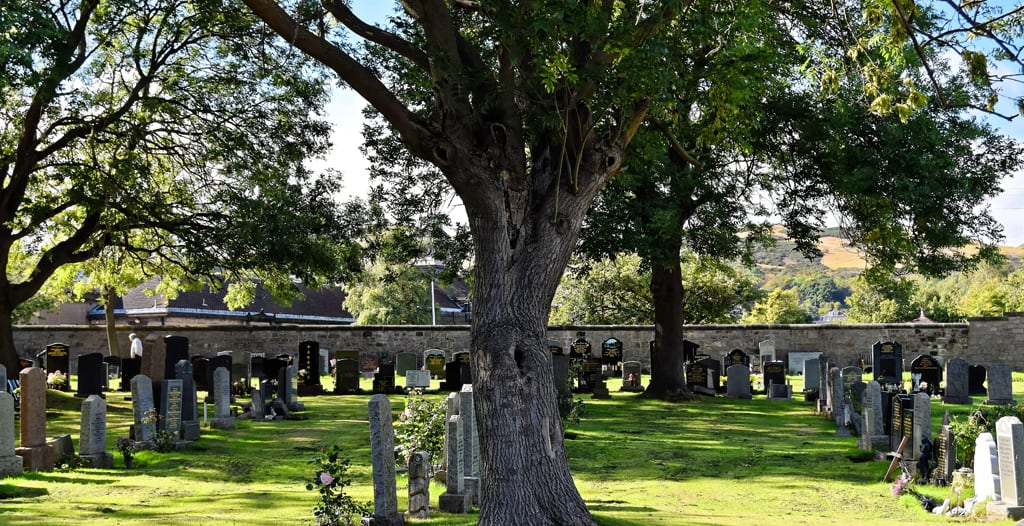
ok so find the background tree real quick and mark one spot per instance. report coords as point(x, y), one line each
point(879, 301)
point(779, 306)
point(165, 130)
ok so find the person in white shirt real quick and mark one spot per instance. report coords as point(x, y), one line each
point(136, 346)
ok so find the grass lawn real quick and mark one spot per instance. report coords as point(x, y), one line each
point(636, 462)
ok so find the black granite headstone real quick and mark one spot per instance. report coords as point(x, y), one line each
point(92, 373)
point(887, 363)
point(930, 370)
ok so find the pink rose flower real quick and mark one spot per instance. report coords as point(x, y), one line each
point(326, 478)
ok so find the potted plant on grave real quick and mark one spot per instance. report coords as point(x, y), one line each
point(56, 380)
point(127, 448)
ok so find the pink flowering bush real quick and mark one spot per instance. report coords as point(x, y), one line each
point(902, 485)
point(335, 508)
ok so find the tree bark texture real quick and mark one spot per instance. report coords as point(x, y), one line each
point(667, 365)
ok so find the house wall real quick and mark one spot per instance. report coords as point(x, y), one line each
point(980, 341)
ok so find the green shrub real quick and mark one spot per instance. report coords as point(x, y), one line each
point(982, 420)
point(421, 427)
point(335, 508)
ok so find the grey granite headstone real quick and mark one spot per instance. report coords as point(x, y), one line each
point(922, 426)
point(455, 499)
point(142, 403)
point(956, 382)
point(34, 450)
point(1000, 385)
point(811, 372)
point(3, 378)
point(986, 468)
point(222, 418)
point(416, 379)
point(92, 438)
point(873, 436)
point(10, 463)
point(471, 451)
point(419, 484)
point(767, 350)
point(382, 450)
point(259, 411)
point(835, 400)
point(405, 361)
point(738, 382)
point(823, 369)
point(1010, 443)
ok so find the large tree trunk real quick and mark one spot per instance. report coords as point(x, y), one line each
point(667, 381)
point(525, 478)
point(8, 353)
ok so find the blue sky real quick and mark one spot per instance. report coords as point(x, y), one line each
point(345, 113)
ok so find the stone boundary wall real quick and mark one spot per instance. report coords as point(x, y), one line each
point(979, 341)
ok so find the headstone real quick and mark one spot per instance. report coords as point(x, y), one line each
point(611, 357)
point(887, 363)
point(956, 383)
point(3, 378)
point(257, 367)
point(222, 418)
point(631, 372)
point(590, 374)
point(798, 361)
point(92, 374)
point(368, 362)
point(735, 357)
point(217, 362)
point(946, 455)
point(560, 371)
point(471, 449)
point(58, 358)
point(113, 370)
point(976, 375)
point(1000, 385)
point(697, 379)
point(454, 499)
point(835, 396)
point(259, 408)
point(405, 361)
point(931, 373)
point(873, 436)
point(921, 422)
point(201, 373)
point(92, 437)
point(130, 368)
point(767, 351)
point(811, 372)
point(738, 381)
point(416, 379)
point(291, 383)
point(419, 484)
point(851, 376)
point(142, 404)
point(382, 450)
point(433, 359)
point(452, 376)
point(555, 348)
point(690, 351)
point(153, 356)
point(34, 451)
point(241, 374)
point(10, 463)
point(580, 348)
point(900, 426)
point(774, 373)
point(384, 380)
point(172, 399)
point(190, 428)
point(714, 368)
point(1009, 442)
point(823, 371)
point(309, 361)
point(175, 350)
point(986, 468)
point(346, 372)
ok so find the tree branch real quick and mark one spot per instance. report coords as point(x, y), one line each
point(412, 129)
point(377, 35)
